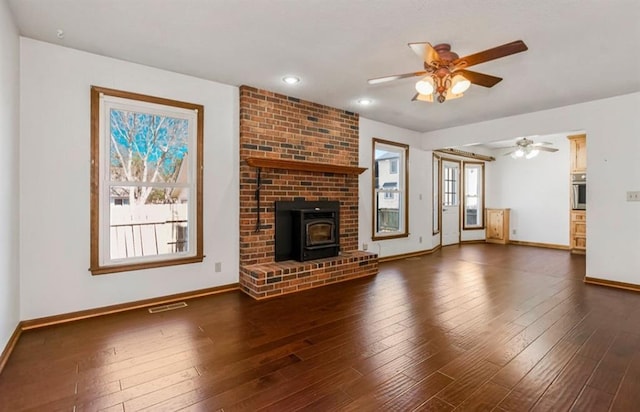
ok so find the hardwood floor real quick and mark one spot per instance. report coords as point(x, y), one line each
point(473, 328)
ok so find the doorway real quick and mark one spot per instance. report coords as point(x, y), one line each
point(450, 185)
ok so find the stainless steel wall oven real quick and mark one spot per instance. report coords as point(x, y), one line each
point(579, 191)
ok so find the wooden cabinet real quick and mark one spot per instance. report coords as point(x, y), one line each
point(497, 223)
point(578, 220)
point(578, 150)
point(578, 231)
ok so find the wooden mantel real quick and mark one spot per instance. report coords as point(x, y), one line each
point(263, 162)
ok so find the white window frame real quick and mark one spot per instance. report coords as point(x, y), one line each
point(479, 199)
point(102, 101)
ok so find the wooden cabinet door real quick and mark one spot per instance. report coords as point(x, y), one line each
point(495, 224)
point(579, 228)
point(580, 243)
point(578, 231)
point(578, 153)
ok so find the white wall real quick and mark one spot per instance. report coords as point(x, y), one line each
point(419, 190)
point(612, 127)
point(9, 178)
point(536, 191)
point(54, 180)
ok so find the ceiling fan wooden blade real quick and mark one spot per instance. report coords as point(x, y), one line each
point(481, 79)
point(384, 79)
point(492, 54)
point(426, 52)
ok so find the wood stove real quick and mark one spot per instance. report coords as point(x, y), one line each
point(315, 234)
point(307, 230)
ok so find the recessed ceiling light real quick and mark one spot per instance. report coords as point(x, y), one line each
point(365, 102)
point(291, 79)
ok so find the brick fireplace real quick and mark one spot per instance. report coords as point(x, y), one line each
point(305, 152)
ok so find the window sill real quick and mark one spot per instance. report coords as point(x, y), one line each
point(398, 236)
point(103, 270)
point(474, 228)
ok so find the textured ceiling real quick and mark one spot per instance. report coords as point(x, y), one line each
point(579, 50)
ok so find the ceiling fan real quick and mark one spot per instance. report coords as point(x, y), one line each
point(446, 73)
point(527, 149)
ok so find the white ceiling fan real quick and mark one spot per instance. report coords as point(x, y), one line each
point(527, 149)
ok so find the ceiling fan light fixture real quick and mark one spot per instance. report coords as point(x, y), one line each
point(424, 97)
point(526, 149)
point(459, 84)
point(519, 153)
point(532, 153)
point(451, 95)
point(425, 86)
point(445, 87)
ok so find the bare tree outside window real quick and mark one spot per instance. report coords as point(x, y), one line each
point(146, 181)
point(147, 148)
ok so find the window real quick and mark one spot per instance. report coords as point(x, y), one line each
point(146, 181)
point(390, 179)
point(450, 186)
point(390, 190)
point(119, 201)
point(394, 166)
point(473, 195)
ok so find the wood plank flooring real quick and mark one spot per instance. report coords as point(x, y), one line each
point(477, 327)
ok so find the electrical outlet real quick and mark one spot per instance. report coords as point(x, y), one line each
point(365, 246)
point(514, 231)
point(420, 239)
point(218, 267)
point(633, 196)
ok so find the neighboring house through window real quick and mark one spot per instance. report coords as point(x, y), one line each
point(389, 189)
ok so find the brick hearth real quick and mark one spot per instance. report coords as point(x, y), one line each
point(279, 127)
point(271, 279)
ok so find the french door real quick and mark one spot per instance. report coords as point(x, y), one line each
point(450, 186)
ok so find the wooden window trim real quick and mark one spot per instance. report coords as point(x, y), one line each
point(437, 177)
point(95, 267)
point(374, 210)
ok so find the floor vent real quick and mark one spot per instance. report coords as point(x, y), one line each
point(170, 306)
